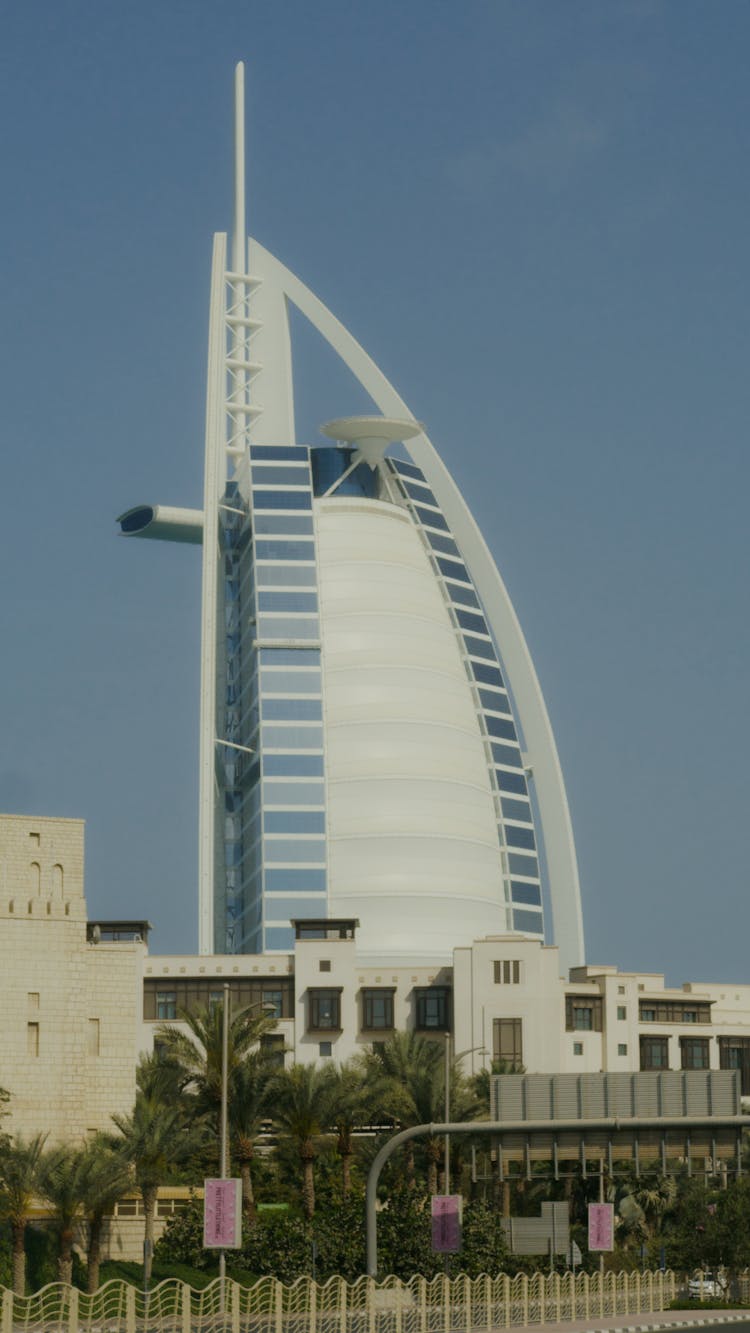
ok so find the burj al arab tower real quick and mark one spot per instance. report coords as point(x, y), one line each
point(374, 744)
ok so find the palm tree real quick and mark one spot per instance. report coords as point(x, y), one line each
point(300, 1099)
point(248, 1107)
point(412, 1069)
point(19, 1167)
point(196, 1056)
point(59, 1183)
point(104, 1179)
point(352, 1096)
point(155, 1138)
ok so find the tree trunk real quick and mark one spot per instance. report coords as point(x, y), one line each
point(65, 1257)
point(410, 1172)
point(19, 1258)
point(248, 1193)
point(93, 1255)
point(308, 1180)
point(346, 1173)
point(148, 1194)
point(433, 1152)
point(506, 1196)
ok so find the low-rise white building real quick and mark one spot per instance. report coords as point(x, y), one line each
point(82, 999)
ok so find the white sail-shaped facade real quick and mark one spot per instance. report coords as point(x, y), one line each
point(374, 742)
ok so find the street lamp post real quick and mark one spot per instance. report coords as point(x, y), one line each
point(223, 1169)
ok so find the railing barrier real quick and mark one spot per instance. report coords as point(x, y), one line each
point(421, 1305)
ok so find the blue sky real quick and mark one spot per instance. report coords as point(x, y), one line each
point(534, 215)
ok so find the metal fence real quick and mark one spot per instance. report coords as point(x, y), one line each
point(442, 1305)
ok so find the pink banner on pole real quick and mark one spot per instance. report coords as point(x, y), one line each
point(222, 1214)
point(446, 1223)
point(601, 1226)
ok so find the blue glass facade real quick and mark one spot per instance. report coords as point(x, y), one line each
point(275, 849)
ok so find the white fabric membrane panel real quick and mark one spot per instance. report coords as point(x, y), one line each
point(411, 821)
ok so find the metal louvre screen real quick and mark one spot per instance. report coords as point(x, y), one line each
point(714, 1092)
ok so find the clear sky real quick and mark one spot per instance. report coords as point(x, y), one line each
point(534, 215)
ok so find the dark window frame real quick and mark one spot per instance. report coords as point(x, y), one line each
point(649, 1047)
point(319, 999)
point(433, 1008)
point(674, 1011)
point(578, 1005)
point(372, 996)
point(692, 1047)
point(507, 1041)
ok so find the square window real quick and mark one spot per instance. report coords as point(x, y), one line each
point(324, 1010)
point(377, 1010)
point(578, 1048)
point(433, 1008)
point(325, 1048)
point(325, 965)
point(166, 1004)
point(621, 1011)
point(620, 990)
point(622, 1048)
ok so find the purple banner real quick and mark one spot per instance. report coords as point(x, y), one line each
point(601, 1226)
point(446, 1223)
point(222, 1214)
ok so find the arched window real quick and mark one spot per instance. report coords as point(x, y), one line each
point(36, 877)
point(57, 881)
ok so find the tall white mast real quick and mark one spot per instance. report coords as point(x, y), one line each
point(239, 237)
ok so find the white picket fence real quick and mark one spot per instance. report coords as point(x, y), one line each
point(441, 1305)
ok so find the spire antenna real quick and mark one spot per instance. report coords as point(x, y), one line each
point(239, 238)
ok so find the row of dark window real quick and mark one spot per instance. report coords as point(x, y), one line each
point(674, 1011)
point(734, 1053)
point(432, 1009)
point(166, 1001)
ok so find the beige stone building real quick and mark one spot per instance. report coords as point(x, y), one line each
point(71, 1007)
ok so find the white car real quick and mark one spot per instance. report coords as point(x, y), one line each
point(707, 1286)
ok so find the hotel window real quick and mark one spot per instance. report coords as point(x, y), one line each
point(507, 1041)
point(166, 1004)
point(507, 971)
point(622, 1048)
point(324, 1010)
point(583, 1013)
point(654, 1052)
point(272, 1001)
point(734, 1053)
point(621, 1012)
point(673, 1011)
point(377, 1009)
point(694, 1053)
point(32, 1039)
point(578, 1048)
point(433, 1008)
point(272, 1046)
